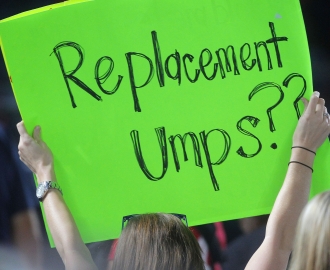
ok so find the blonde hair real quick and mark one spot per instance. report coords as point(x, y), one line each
point(312, 243)
point(157, 242)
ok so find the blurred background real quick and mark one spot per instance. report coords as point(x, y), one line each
point(21, 228)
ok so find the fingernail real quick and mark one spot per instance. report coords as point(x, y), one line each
point(316, 93)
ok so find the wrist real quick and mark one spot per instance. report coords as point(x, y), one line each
point(303, 155)
point(45, 187)
point(46, 173)
point(305, 144)
point(304, 148)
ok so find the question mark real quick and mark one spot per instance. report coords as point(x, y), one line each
point(301, 94)
point(263, 86)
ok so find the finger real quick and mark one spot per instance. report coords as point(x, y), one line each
point(36, 133)
point(305, 101)
point(21, 144)
point(326, 115)
point(21, 129)
point(320, 108)
point(312, 103)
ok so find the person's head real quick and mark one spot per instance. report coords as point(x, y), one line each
point(312, 244)
point(157, 242)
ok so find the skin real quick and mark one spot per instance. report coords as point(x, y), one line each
point(312, 129)
point(37, 156)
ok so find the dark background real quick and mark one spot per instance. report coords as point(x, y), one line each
point(317, 20)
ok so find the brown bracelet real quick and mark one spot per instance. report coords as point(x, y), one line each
point(301, 164)
point(304, 149)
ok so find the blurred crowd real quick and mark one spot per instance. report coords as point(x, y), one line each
point(23, 239)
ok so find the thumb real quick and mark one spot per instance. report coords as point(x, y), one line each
point(36, 133)
point(21, 129)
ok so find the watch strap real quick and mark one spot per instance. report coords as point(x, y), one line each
point(54, 185)
point(45, 186)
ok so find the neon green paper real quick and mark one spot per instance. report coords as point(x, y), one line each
point(92, 144)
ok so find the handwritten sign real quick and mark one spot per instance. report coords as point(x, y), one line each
point(163, 106)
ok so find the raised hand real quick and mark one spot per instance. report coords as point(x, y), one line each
point(35, 153)
point(313, 126)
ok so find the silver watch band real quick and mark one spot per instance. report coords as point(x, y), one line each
point(45, 186)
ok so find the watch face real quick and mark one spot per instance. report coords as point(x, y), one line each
point(41, 190)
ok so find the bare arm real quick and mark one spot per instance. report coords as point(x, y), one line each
point(37, 156)
point(312, 129)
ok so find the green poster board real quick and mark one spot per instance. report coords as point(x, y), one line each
point(124, 89)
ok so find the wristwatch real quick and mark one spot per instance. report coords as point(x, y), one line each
point(43, 188)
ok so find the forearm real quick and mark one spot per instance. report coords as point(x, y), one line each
point(62, 226)
point(311, 131)
point(61, 223)
point(38, 157)
point(276, 248)
point(291, 200)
